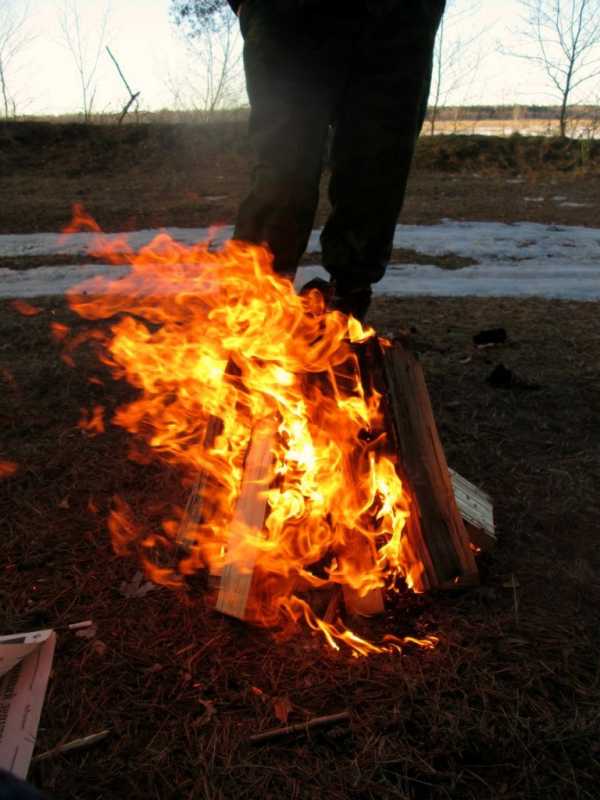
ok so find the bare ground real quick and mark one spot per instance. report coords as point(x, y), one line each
point(142, 176)
point(506, 706)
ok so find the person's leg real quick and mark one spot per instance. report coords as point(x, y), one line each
point(376, 128)
point(291, 72)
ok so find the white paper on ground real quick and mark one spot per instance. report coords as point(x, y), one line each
point(25, 663)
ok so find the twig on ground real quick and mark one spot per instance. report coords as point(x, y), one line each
point(76, 744)
point(299, 727)
point(77, 626)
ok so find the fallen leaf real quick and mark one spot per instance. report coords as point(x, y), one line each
point(282, 708)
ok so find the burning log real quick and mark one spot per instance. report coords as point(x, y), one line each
point(247, 522)
point(372, 603)
point(361, 553)
point(341, 487)
point(435, 531)
point(437, 539)
point(193, 511)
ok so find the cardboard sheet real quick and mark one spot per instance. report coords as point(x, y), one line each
point(25, 664)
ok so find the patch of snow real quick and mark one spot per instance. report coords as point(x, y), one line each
point(576, 205)
point(534, 199)
point(559, 281)
point(52, 280)
point(80, 244)
point(497, 247)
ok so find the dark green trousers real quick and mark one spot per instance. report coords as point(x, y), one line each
point(363, 67)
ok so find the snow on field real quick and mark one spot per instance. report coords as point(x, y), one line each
point(514, 260)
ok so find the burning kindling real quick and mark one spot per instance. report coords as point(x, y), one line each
point(306, 443)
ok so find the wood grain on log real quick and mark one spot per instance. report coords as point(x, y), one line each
point(435, 531)
point(248, 519)
point(477, 510)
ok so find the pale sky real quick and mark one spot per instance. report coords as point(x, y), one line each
point(43, 78)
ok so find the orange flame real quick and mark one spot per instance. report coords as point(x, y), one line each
point(92, 422)
point(59, 331)
point(224, 352)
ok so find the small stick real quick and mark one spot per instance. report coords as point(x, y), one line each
point(79, 626)
point(514, 584)
point(300, 727)
point(76, 744)
point(75, 626)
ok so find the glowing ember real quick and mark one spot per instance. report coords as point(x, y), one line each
point(221, 347)
point(8, 469)
point(92, 423)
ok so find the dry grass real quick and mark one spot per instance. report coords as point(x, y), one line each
point(505, 707)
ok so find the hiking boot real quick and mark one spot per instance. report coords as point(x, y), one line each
point(333, 296)
point(352, 301)
point(318, 294)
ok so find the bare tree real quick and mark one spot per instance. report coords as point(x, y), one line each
point(214, 75)
point(133, 96)
point(85, 41)
point(456, 57)
point(14, 38)
point(198, 16)
point(566, 38)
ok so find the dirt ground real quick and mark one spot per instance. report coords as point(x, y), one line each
point(505, 707)
point(189, 175)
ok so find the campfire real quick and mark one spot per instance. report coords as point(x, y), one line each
point(305, 442)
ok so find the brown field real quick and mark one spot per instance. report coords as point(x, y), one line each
point(507, 706)
point(191, 175)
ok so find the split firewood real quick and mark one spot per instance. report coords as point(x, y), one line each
point(300, 727)
point(193, 511)
point(361, 554)
point(357, 549)
point(251, 507)
point(435, 531)
point(197, 505)
point(477, 510)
